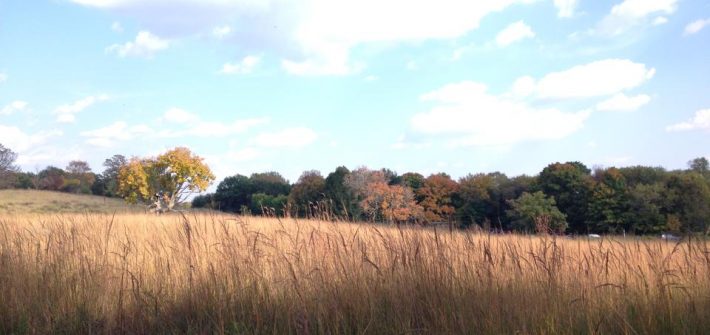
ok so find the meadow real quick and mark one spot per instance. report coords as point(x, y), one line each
point(211, 273)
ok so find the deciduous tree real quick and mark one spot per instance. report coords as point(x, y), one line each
point(166, 180)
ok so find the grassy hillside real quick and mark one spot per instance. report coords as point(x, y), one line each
point(32, 201)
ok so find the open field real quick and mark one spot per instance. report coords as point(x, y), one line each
point(204, 273)
point(33, 201)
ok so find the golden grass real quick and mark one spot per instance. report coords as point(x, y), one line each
point(211, 273)
point(34, 201)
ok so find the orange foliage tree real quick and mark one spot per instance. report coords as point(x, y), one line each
point(436, 197)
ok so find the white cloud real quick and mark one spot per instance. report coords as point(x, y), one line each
point(696, 26)
point(523, 86)
point(66, 113)
point(15, 106)
point(245, 66)
point(117, 27)
point(178, 115)
point(221, 31)
point(213, 129)
point(145, 45)
point(600, 78)
point(660, 20)
point(115, 132)
point(701, 120)
point(514, 32)
point(565, 7)
point(20, 142)
point(313, 37)
point(287, 138)
point(631, 13)
point(623, 103)
point(465, 112)
point(3, 77)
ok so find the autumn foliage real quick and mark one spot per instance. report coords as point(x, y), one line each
point(176, 173)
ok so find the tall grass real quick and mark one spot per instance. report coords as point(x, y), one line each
point(209, 274)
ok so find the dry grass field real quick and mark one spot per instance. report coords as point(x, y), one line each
point(217, 274)
point(33, 201)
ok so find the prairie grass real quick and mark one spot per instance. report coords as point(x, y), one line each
point(47, 202)
point(217, 274)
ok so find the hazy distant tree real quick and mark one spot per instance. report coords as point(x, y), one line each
point(109, 177)
point(700, 165)
point(51, 179)
point(8, 169)
point(307, 192)
point(636, 175)
point(536, 212)
point(436, 196)
point(570, 184)
point(79, 177)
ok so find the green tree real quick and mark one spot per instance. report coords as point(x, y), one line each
point(234, 193)
point(109, 177)
point(688, 197)
point(339, 194)
point(536, 212)
point(608, 207)
point(570, 184)
point(51, 179)
point(271, 183)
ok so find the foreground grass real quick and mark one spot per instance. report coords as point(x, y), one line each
point(47, 202)
point(218, 274)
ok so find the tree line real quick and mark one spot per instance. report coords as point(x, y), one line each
point(563, 198)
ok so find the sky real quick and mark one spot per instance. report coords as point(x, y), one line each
point(425, 86)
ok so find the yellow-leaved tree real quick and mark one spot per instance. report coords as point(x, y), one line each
point(164, 181)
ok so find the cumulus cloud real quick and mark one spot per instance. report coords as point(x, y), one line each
point(288, 138)
point(213, 128)
point(145, 45)
point(565, 8)
point(313, 37)
point(19, 141)
point(118, 131)
point(696, 26)
point(630, 13)
point(660, 20)
point(66, 113)
point(622, 103)
point(245, 66)
point(514, 32)
point(700, 121)
point(599, 78)
point(15, 106)
point(465, 112)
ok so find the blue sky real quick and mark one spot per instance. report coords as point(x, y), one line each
point(427, 86)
